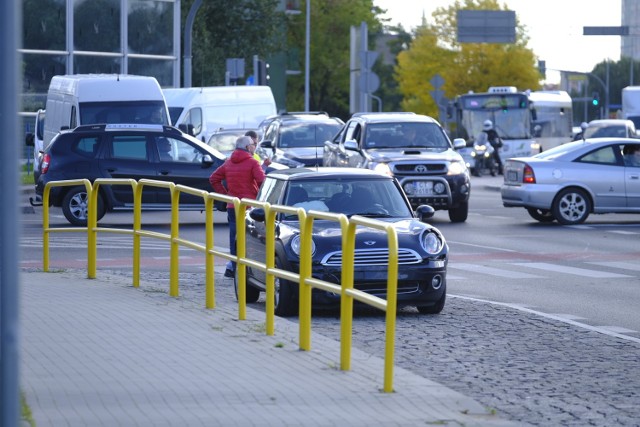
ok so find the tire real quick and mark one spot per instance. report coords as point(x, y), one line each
point(571, 206)
point(251, 294)
point(542, 215)
point(285, 304)
point(433, 309)
point(460, 213)
point(74, 207)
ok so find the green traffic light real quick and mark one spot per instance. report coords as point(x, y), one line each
point(595, 102)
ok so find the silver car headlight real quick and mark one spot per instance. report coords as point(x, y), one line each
point(431, 242)
point(296, 243)
point(383, 168)
point(456, 168)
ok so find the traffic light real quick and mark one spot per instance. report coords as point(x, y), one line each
point(595, 99)
point(542, 68)
point(263, 73)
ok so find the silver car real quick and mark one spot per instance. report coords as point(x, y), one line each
point(571, 181)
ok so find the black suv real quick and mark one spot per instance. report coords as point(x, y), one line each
point(296, 139)
point(125, 151)
point(413, 148)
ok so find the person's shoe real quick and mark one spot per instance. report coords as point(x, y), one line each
point(228, 273)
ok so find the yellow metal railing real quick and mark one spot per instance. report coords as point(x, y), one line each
point(304, 277)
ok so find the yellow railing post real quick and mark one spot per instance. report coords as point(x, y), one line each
point(392, 305)
point(270, 262)
point(346, 301)
point(45, 227)
point(304, 290)
point(241, 252)
point(209, 294)
point(137, 227)
point(175, 247)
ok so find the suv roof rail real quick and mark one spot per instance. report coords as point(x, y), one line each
point(373, 113)
point(125, 126)
point(298, 113)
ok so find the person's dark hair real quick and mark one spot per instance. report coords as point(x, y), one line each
point(251, 134)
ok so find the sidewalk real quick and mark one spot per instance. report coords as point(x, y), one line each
point(102, 353)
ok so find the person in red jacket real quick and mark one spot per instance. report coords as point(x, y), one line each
point(244, 176)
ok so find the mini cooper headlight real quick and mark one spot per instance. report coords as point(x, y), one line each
point(431, 242)
point(296, 243)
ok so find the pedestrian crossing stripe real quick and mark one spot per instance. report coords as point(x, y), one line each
point(570, 270)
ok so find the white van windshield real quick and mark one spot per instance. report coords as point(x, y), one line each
point(151, 112)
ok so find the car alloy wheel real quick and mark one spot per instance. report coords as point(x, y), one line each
point(571, 206)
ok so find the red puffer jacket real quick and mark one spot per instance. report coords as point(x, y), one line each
point(243, 176)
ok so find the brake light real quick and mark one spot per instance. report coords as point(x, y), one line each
point(528, 177)
point(44, 166)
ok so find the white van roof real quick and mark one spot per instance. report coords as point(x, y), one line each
point(219, 95)
point(107, 87)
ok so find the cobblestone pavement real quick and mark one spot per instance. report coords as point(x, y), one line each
point(528, 368)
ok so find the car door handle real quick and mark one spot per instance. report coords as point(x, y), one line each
point(111, 170)
point(634, 176)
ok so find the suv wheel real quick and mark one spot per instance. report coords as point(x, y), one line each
point(75, 206)
point(460, 213)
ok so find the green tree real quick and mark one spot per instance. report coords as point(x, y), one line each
point(331, 21)
point(231, 29)
point(464, 66)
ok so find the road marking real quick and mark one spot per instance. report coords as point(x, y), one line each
point(623, 232)
point(583, 272)
point(618, 264)
point(598, 329)
point(475, 268)
point(618, 329)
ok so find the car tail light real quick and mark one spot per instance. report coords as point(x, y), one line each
point(528, 177)
point(44, 166)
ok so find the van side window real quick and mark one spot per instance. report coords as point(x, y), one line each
point(194, 117)
point(87, 146)
point(132, 147)
point(73, 123)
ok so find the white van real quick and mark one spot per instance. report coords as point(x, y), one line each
point(208, 109)
point(84, 99)
point(35, 139)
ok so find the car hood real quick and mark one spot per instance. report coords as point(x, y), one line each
point(385, 155)
point(329, 229)
point(302, 154)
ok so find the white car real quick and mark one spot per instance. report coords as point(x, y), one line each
point(571, 181)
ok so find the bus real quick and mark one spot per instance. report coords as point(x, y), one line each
point(507, 108)
point(553, 121)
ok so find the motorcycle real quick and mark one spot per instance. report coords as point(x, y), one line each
point(483, 160)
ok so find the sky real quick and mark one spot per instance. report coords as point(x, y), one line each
point(554, 27)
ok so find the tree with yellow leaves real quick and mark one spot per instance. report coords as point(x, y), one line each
point(464, 66)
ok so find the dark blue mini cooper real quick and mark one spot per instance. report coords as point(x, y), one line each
point(423, 251)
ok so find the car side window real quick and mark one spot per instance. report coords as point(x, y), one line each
point(270, 191)
point(603, 156)
point(186, 153)
point(131, 147)
point(86, 146)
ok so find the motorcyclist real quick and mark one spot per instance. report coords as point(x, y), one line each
point(490, 135)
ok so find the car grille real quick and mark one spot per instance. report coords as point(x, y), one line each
point(418, 168)
point(373, 257)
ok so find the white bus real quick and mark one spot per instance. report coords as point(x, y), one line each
point(507, 108)
point(553, 119)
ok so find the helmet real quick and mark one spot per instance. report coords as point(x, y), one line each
point(487, 125)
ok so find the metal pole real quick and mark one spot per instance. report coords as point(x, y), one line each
point(188, 29)
point(307, 60)
point(9, 301)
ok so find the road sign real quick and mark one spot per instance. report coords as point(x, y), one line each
point(437, 95)
point(605, 31)
point(437, 81)
point(235, 67)
point(368, 58)
point(369, 82)
point(486, 26)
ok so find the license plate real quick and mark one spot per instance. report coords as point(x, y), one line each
point(512, 176)
point(423, 188)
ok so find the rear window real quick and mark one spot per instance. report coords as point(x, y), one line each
point(86, 146)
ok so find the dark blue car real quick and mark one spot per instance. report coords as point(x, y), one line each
point(423, 251)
